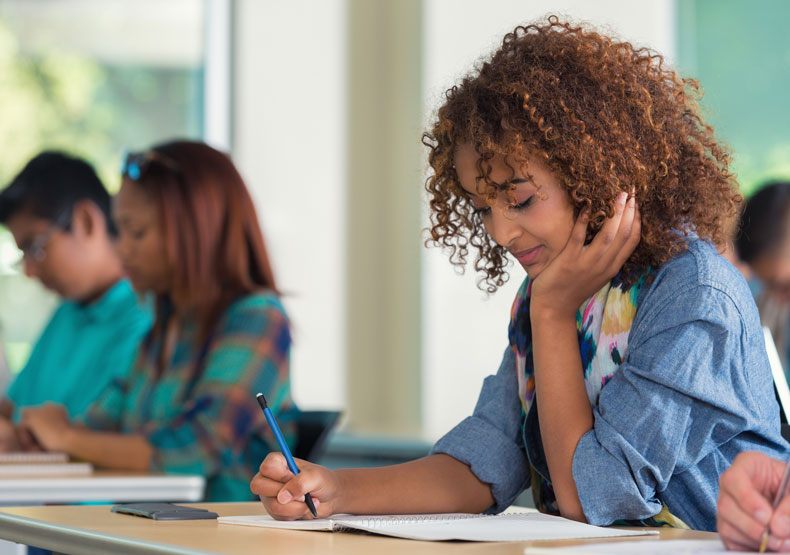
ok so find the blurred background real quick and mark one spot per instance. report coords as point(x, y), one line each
point(321, 104)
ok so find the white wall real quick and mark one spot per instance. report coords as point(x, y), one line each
point(289, 140)
point(290, 137)
point(465, 333)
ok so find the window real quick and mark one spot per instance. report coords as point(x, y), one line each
point(739, 52)
point(91, 77)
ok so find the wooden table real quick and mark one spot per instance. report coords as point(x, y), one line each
point(94, 529)
point(101, 485)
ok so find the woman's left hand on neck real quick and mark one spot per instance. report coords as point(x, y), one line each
point(579, 271)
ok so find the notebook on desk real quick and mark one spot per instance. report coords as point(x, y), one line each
point(457, 526)
point(32, 463)
point(33, 457)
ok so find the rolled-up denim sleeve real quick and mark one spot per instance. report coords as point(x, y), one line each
point(490, 441)
point(682, 391)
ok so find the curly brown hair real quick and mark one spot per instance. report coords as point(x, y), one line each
point(605, 117)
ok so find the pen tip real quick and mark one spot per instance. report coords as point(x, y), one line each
point(259, 395)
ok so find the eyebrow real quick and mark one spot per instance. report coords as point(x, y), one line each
point(501, 186)
point(517, 181)
point(125, 218)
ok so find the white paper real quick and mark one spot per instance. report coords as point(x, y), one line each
point(46, 469)
point(649, 547)
point(33, 457)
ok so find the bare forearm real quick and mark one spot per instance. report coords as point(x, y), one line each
point(434, 484)
point(563, 407)
point(108, 449)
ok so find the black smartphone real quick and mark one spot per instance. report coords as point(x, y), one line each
point(163, 511)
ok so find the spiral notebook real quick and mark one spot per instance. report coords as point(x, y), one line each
point(505, 527)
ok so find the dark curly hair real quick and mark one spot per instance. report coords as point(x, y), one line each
point(605, 117)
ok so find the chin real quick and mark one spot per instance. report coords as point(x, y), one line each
point(138, 286)
point(61, 292)
point(533, 272)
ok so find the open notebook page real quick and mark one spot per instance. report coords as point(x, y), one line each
point(460, 526)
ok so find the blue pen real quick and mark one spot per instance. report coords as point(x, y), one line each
point(267, 412)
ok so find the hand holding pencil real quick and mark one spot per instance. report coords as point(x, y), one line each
point(753, 510)
point(286, 452)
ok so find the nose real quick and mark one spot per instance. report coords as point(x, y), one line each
point(30, 267)
point(122, 248)
point(503, 228)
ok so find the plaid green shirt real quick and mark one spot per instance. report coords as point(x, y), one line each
point(211, 426)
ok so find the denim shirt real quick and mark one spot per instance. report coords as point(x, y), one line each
point(694, 390)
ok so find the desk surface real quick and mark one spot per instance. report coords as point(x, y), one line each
point(101, 485)
point(94, 529)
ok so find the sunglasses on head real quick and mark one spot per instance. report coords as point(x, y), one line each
point(135, 164)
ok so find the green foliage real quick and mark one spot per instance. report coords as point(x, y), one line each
point(51, 101)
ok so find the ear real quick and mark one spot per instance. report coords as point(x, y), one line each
point(87, 219)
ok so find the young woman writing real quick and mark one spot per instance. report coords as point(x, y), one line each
point(635, 369)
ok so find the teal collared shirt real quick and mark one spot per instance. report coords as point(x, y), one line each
point(82, 349)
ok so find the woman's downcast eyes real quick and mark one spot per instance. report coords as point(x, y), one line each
point(483, 211)
point(134, 233)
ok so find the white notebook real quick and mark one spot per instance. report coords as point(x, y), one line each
point(35, 463)
point(33, 457)
point(507, 527)
point(47, 469)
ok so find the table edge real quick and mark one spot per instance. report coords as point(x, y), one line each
point(68, 539)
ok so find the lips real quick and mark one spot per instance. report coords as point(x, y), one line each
point(528, 256)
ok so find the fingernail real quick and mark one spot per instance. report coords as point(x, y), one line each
point(285, 497)
point(784, 547)
point(784, 524)
point(774, 544)
point(622, 197)
point(762, 517)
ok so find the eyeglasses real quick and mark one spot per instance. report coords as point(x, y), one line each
point(37, 249)
point(135, 164)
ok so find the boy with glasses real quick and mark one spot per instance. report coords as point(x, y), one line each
point(59, 214)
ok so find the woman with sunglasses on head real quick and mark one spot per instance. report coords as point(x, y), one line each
point(189, 235)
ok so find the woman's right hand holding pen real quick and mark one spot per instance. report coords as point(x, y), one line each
point(282, 492)
point(434, 484)
point(745, 506)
